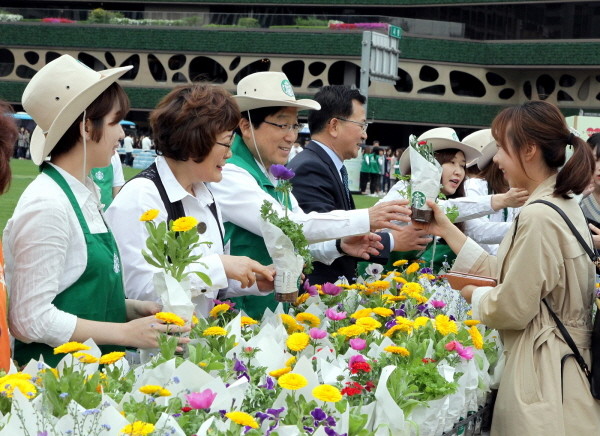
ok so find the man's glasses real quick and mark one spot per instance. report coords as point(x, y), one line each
point(289, 127)
point(363, 126)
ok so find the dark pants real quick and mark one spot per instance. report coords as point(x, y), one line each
point(128, 159)
point(22, 152)
point(364, 179)
point(374, 182)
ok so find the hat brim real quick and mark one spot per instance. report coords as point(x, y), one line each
point(41, 145)
point(487, 154)
point(248, 103)
point(439, 144)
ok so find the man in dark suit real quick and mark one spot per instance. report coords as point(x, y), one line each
point(321, 181)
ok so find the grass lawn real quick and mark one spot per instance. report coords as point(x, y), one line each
point(24, 171)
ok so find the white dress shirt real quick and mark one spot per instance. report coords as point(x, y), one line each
point(240, 198)
point(128, 144)
point(140, 195)
point(45, 253)
point(488, 231)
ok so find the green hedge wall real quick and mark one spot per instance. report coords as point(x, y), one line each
point(340, 2)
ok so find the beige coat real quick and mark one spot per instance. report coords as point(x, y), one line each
point(544, 261)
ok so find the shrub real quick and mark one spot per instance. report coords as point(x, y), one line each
point(310, 21)
point(99, 15)
point(248, 22)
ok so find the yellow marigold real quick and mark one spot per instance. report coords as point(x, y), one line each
point(292, 381)
point(421, 321)
point(279, 372)
point(297, 341)
point(327, 393)
point(215, 311)
point(368, 323)
point(406, 325)
point(170, 318)
point(351, 330)
point(445, 325)
point(400, 262)
point(149, 215)
point(393, 329)
point(397, 350)
point(421, 299)
point(195, 320)
point(246, 320)
point(159, 391)
point(476, 337)
point(379, 284)
point(471, 322)
point(112, 357)
point(412, 268)
point(383, 311)
point(214, 331)
point(360, 287)
point(85, 357)
point(184, 224)
point(242, 418)
point(389, 299)
point(290, 362)
point(70, 347)
point(412, 288)
point(308, 318)
point(362, 313)
point(138, 428)
point(302, 299)
point(400, 280)
point(20, 381)
point(287, 319)
point(427, 276)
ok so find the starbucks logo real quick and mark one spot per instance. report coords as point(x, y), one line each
point(116, 263)
point(99, 175)
point(418, 199)
point(286, 86)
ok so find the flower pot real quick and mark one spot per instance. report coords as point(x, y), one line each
point(286, 286)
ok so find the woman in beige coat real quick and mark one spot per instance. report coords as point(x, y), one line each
point(538, 258)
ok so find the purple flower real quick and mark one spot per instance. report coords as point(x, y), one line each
point(281, 172)
point(331, 421)
point(308, 429)
point(358, 343)
point(201, 400)
point(391, 323)
point(333, 315)
point(426, 271)
point(275, 412)
point(318, 414)
point(227, 302)
point(312, 290)
point(316, 333)
point(399, 312)
point(355, 359)
point(239, 366)
point(42, 433)
point(437, 304)
point(331, 289)
point(269, 384)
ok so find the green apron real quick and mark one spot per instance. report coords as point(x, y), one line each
point(245, 243)
point(97, 295)
point(103, 178)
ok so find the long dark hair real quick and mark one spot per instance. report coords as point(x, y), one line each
point(8, 136)
point(445, 156)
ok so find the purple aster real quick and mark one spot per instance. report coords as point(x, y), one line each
point(318, 414)
point(331, 289)
point(281, 172)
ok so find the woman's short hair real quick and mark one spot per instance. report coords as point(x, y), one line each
point(95, 112)
point(186, 122)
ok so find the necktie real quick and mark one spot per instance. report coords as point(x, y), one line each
point(344, 174)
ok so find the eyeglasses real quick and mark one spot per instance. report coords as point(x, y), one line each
point(363, 126)
point(226, 145)
point(289, 127)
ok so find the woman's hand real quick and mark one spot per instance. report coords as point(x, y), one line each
point(467, 292)
point(515, 197)
point(266, 284)
point(140, 308)
point(439, 224)
point(244, 269)
point(144, 332)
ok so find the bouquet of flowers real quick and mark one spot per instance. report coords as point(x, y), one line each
point(426, 173)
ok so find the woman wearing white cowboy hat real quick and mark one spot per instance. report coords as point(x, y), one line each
point(268, 128)
point(62, 263)
point(193, 129)
point(488, 230)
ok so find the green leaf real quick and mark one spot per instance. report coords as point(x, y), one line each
point(204, 277)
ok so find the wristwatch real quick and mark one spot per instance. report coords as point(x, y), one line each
point(338, 246)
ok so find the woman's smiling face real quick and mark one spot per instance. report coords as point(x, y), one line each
point(453, 173)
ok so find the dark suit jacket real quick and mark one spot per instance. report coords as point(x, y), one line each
point(318, 188)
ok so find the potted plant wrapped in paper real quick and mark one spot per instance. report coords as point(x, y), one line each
point(285, 240)
point(426, 173)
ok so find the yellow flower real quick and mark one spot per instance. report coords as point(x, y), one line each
point(383, 311)
point(203, 364)
point(246, 320)
point(421, 321)
point(70, 347)
point(351, 330)
point(379, 284)
point(214, 331)
point(138, 428)
point(469, 313)
point(389, 299)
point(362, 313)
point(85, 357)
point(413, 267)
point(184, 224)
point(445, 325)
point(242, 418)
point(170, 318)
point(393, 329)
point(421, 299)
point(302, 299)
point(368, 323)
point(287, 320)
point(412, 288)
point(400, 280)
point(476, 337)
point(20, 381)
point(297, 341)
point(215, 311)
point(308, 318)
point(292, 381)
point(406, 325)
point(427, 276)
point(279, 372)
point(109, 358)
point(195, 320)
point(327, 393)
point(471, 322)
point(397, 350)
point(149, 215)
point(159, 391)
point(400, 262)
point(290, 362)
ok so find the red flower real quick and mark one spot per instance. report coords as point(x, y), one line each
point(422, 142)
point(427, 360)
point(369, 386)
point(186, 409)
point(353, 388)
point(360, 366)
point(248, 349)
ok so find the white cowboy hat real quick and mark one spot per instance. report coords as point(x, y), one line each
point(57, 95)
point(268, 89)
point(483, 141)
point(441, 138)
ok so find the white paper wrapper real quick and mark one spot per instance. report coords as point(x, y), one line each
point(425, 180)
point(288, 264)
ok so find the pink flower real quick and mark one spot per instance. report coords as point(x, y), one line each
point(464, 352)
point(201, 400)
point(437, 304)
point(331, 289)
point(312, 290)
point(335, 316)
point(316, 333)
point(355, 359)
point(358, 344)
point(452, 345)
